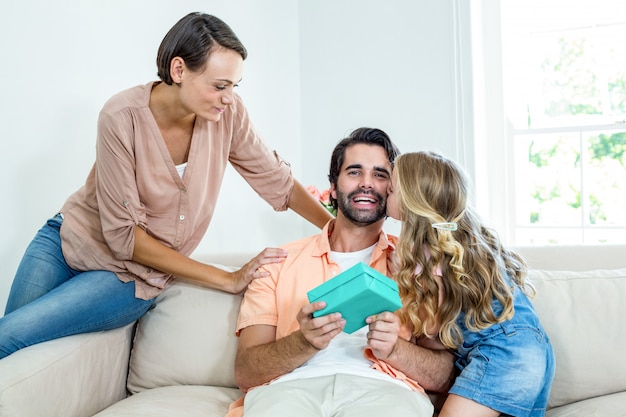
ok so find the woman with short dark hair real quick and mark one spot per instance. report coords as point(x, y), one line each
point(161, 153)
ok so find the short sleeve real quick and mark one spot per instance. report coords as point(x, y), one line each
point(259, 303)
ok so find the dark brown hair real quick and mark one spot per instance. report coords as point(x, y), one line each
point(367, 136)
point(192, 38)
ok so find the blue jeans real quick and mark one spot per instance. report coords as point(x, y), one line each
point(49, 300)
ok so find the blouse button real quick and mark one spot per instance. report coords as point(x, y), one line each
point(181, 217)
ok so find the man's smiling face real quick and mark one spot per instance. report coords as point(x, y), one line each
point(364, 178)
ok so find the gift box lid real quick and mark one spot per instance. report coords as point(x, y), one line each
point(357, 293)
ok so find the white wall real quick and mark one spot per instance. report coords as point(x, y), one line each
point(381, 64)
point(316, 70)
point(395, 65)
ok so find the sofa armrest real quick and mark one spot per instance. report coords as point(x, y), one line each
point(72, 376)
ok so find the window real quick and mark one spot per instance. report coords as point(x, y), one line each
point(564, 106)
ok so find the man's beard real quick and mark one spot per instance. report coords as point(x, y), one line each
point(361, 217)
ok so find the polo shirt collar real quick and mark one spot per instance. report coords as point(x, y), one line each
point(322, 245)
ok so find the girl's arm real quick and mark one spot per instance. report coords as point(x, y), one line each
point(432, 368)
point(425, 359)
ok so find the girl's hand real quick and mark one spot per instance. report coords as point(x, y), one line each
point(242, 277)
point(383, 334)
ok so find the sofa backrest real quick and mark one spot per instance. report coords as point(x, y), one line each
point(581, 297)
point(582, 312)
point(186, 339)
point(574, 257)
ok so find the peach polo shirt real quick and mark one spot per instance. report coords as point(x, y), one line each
point(134, 182)
point(276, 300)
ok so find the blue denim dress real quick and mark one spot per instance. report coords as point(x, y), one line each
point(509, 366)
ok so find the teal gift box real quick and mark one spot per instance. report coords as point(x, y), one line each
point(357, 293)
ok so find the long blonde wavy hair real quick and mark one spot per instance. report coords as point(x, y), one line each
point(433, 189)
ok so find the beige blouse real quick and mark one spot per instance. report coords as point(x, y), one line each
point(134, 182)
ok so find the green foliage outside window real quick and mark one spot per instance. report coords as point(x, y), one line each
point(609, 146)
point(606, 155)
point(572, 87)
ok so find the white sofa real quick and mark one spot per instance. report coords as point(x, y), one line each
point(178, 360)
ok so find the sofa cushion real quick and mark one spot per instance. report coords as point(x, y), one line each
point(72, 376)
point(583, 314)
point(188, 338)
point(607, 405)
point(189, 401)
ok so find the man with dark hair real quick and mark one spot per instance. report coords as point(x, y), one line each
point(300, 365)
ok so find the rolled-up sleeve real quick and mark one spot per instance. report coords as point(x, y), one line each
point(116, 187)
point(262, 168)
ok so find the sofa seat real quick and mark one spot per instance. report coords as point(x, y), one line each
point(188, 400)
point(611, 405)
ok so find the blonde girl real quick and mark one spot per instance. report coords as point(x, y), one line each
point(462, 289)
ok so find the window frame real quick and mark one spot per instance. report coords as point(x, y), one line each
point(494, 169)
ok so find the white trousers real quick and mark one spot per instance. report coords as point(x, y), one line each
point(338, 395)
